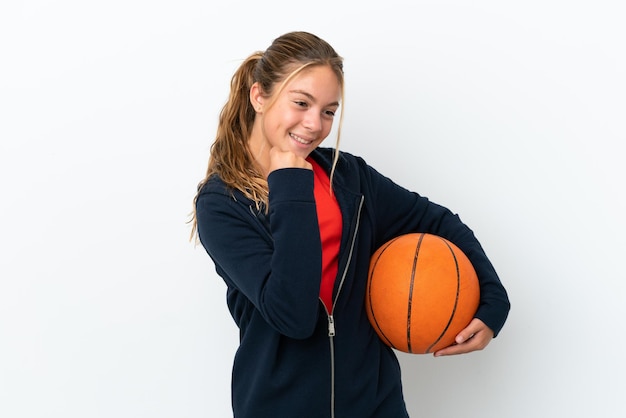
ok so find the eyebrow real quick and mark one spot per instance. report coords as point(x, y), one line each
point(310, 97)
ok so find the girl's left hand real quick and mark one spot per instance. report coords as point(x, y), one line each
point(475, 336)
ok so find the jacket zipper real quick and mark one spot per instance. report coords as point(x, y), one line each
point(331, 336)
point(331, 319)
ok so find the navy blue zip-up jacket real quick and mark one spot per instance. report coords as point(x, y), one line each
point(295, 359)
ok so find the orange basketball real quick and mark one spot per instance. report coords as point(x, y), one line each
point(422, 291)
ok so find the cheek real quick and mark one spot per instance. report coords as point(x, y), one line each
point(327, 127)
point(277, 118)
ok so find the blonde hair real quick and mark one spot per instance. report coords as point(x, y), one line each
point(230, 157)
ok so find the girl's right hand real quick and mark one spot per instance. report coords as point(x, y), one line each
point(286, 159)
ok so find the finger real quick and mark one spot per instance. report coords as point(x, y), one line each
point(462, 348)
point(286, 159)
point(476, 336)
point(453, 350)
point(474, 327)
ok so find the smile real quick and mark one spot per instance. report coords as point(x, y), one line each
point(300, 140)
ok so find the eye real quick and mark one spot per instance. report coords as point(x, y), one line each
point(301, 103)
point(329, 113)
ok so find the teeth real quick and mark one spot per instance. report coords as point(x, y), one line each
point(300, 140)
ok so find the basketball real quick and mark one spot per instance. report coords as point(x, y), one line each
point(422, 291)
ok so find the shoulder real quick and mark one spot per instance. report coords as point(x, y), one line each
point(213, 184)
point(215, 189)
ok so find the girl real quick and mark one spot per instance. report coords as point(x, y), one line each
point(291, 227)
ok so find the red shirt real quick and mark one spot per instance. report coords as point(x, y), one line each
point(329, 218)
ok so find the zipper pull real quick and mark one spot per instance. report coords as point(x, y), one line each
point(331, 326)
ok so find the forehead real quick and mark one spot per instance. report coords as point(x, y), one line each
point(318, 81)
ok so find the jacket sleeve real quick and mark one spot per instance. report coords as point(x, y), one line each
point(278, 270)
point(398, 211)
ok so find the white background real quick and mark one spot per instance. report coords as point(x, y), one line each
point(510, 113)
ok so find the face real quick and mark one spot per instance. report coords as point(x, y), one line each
point(301, 115)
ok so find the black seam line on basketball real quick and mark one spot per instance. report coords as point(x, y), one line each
point(456, 299)
point(369, 293)
point(411, 286)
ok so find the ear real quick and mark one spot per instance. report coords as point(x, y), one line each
point(256, 97)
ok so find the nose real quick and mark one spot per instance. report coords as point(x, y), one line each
point(312, 121)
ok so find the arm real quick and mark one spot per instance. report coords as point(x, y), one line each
point(278, 272)
point(398, 211)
